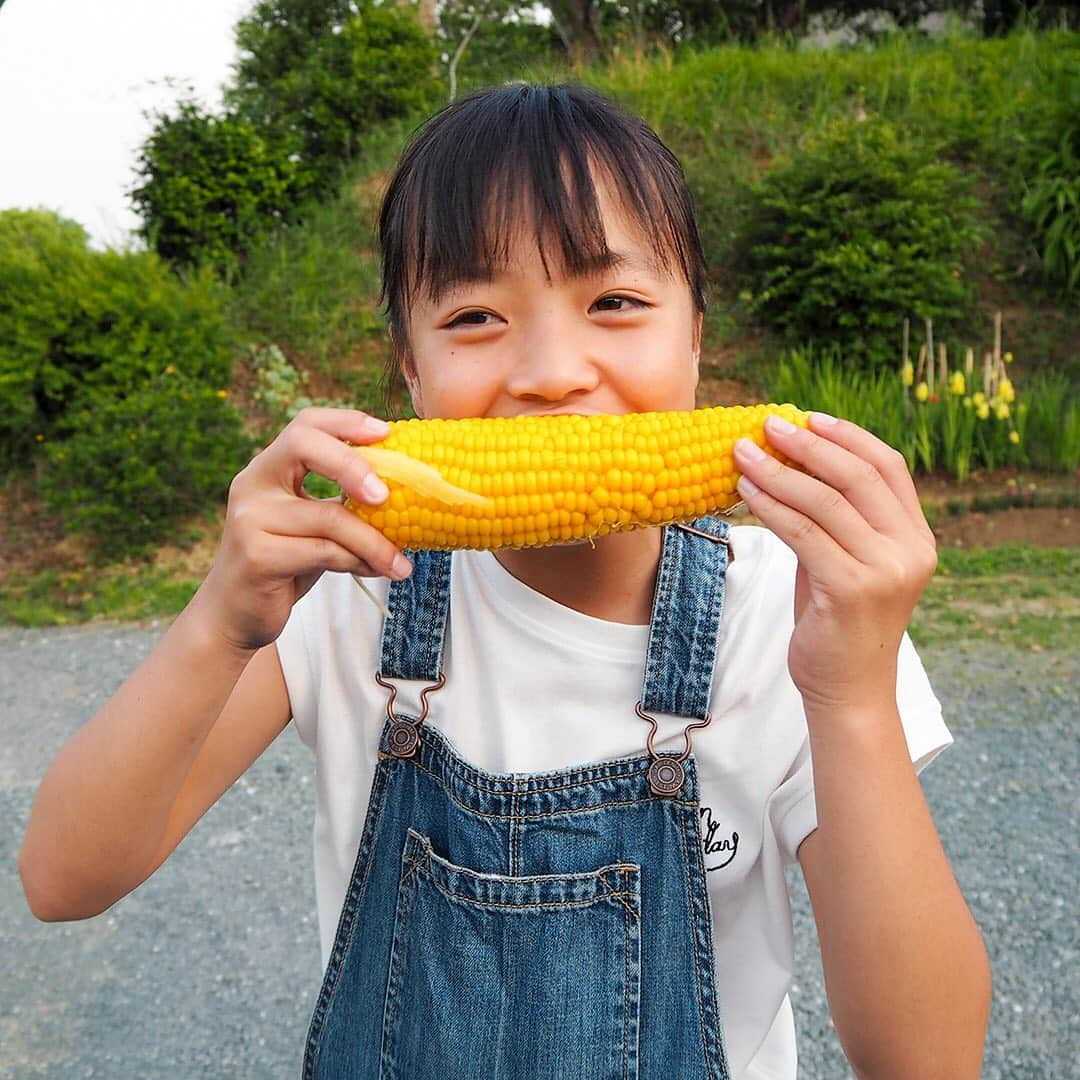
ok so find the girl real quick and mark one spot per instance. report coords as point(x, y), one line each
point(511, 892)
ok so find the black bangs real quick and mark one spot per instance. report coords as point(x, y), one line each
point(525, 156)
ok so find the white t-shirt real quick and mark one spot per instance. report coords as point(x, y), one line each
point(534, 686)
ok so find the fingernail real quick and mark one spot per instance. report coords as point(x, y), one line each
point(747, 487)
point(823, 418)
point(779, 425)
point(374, 426)
point(375, 491)
point(750, 450)
point(401, 568)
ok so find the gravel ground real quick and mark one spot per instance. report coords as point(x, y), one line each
point(210, 969)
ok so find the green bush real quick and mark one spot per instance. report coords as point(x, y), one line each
point(76, 322)
point(1050, 185)
point(134, 466)
point(855, 232)
point(211, 187)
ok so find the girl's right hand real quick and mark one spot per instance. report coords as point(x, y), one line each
point(278, 539)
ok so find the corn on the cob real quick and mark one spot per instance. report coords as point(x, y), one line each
point(527, 481)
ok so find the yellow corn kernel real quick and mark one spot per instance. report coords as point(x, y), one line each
point(560, 478)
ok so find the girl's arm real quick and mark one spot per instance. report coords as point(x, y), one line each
point(906, 970)
point(128, 786)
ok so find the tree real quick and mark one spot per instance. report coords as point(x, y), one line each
point(459, 23)
point(211, 186)
point(319, 74)
point(576, 22)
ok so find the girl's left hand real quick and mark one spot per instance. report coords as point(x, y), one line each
point(865, 552)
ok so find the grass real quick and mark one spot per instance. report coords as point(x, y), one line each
point(61, 598)
point(1023, 597)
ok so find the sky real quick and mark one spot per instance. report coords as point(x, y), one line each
point(75, 79)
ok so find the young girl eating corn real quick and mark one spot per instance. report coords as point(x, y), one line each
point(558, 786)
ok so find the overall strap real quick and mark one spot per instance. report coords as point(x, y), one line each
point(682, 639)
point(412, 638)
point(681, 655)
point(687, 605)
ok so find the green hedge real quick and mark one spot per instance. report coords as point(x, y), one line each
point(77, 324)
point(133, 467)
point(854, 232)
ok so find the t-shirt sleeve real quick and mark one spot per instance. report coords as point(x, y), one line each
point(331, 635)
point(296, 648)
point(792, 807)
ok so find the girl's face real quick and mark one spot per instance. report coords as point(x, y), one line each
point(622, 338)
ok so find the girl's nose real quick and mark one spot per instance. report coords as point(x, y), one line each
point(554, 363)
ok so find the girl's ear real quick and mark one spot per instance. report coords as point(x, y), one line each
point(695, 345)
point(412, 381)
point(405, 363)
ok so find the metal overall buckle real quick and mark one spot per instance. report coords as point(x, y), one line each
point(404, 734)
point(726, 541)
point(666, 773)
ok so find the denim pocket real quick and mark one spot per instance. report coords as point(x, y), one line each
point(512, 976)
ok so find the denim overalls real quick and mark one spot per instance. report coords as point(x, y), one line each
point(532, 926)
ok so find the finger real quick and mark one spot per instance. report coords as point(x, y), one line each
point(306, 447)
point(327, 519)
point(888, 461)
point(810, 542)
point(350, 425)
point(863, 469)
point(810, 498)
point(856, 480)
point(305, 558)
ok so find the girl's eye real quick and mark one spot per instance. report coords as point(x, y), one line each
point(470, 318)
point(617, 303)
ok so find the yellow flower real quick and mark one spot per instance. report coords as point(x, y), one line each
point(922, 392)
point(1008, 358)
point(170, 370)
point(982, 410)
point(907, 373)
point(39, 437)
point(223, 393)
point(967, 403)
point(1001, 411)
point(957, 385)
point(1014, 437)
point(979, 399)
point(1006, 391)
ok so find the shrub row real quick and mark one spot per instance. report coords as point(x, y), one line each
point(114, 378)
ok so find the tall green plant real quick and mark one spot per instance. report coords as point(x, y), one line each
point(1051, 184)
point(953, 424)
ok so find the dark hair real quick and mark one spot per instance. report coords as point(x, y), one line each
point(486, 163)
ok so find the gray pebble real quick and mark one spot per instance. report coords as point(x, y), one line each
point(211, 968)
